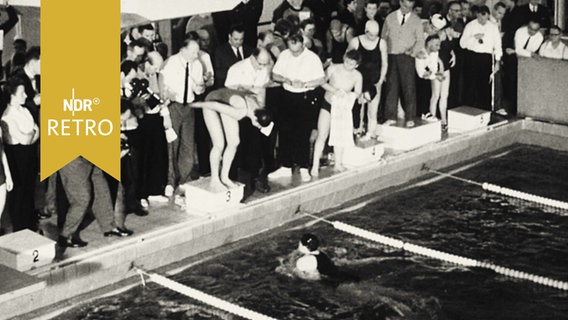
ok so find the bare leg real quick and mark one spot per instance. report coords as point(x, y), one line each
point(339, 151)
point(235, 111)
point(231, 128)
point(361, 128)
point(436, 89)
point(323, 133)
point(2, 198)
point(213, 123)
point(372, 115)
point(444, 92)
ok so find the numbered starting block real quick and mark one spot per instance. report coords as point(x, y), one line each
point(399, 137)
point(363, 152)
point(200, 196)
point(25, 250)
point(466, 118)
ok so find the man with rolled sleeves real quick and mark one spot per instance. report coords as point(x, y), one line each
point(181, 75)
point(404, 35)
point(481, 40)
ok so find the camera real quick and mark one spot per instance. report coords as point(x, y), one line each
point(140, 88)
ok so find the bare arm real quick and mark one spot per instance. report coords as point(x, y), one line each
point(9, 183)
point(384, 61)
point(353, 44)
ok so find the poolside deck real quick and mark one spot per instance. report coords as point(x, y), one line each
point(169, 234)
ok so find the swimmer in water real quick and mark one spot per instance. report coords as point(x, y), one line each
point(309, 263)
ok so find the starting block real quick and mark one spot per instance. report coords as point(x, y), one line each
point(363, 152)
point(25, 250)
point(399, 137)
point(199, 196)
point(466, 118)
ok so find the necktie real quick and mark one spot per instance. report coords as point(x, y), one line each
point(403, 16)
point(527, 43)
point(239, 57)
point(186, 85)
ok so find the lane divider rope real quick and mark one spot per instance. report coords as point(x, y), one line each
point(203, 297)
point(506, 191)
point(448, 257)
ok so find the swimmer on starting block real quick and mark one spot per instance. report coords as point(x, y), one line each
point(222, 110)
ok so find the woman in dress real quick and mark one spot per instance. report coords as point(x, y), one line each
point(20, 134)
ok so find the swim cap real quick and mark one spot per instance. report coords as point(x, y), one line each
point(438, 21)
point(372, 27)
point(263, 117)
point(310, 241)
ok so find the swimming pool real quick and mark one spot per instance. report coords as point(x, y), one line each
point(442, 214)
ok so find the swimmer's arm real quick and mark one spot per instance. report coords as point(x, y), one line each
point(327, 86)
point(358, 88)
point(353, 44)
point(9, 182)
point(384, 61)
point(349, 34)
point(329, 39)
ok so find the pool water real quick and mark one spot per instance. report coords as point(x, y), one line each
point(446, 215)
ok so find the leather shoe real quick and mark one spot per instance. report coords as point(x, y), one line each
point(118, 232)
point(73, 242)
point(261, 186)
point(141, 212)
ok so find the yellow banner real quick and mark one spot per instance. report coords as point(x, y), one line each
point(80, 85)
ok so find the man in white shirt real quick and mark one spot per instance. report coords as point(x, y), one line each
point(253, 74)
point(482, 41)
point(181, 75)
point(554, 48)
point(528, 40)
point(300, 71)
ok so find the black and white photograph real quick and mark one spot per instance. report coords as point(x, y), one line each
point(299, 159)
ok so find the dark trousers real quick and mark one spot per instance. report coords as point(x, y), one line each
point(180, 151)
point(455, 97)
point(203, 143)
point(23, 161)
point(85, 186)
point(423, 94)
point(297, 115)
point(477, 88)
point(401, 82)
point(268, 144)
point(129, 178)
point(510, 63)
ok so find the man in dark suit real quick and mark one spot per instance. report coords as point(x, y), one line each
point(531, 11)
point(247, 13)
point(230, 52)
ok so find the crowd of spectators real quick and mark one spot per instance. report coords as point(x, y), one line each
point(326, 74)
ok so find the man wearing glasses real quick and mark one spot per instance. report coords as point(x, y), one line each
point(252, 74)
point(482, 43)
point(554, 48)
point(528, 39)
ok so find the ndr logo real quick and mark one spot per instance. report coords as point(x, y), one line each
point(79, 105)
